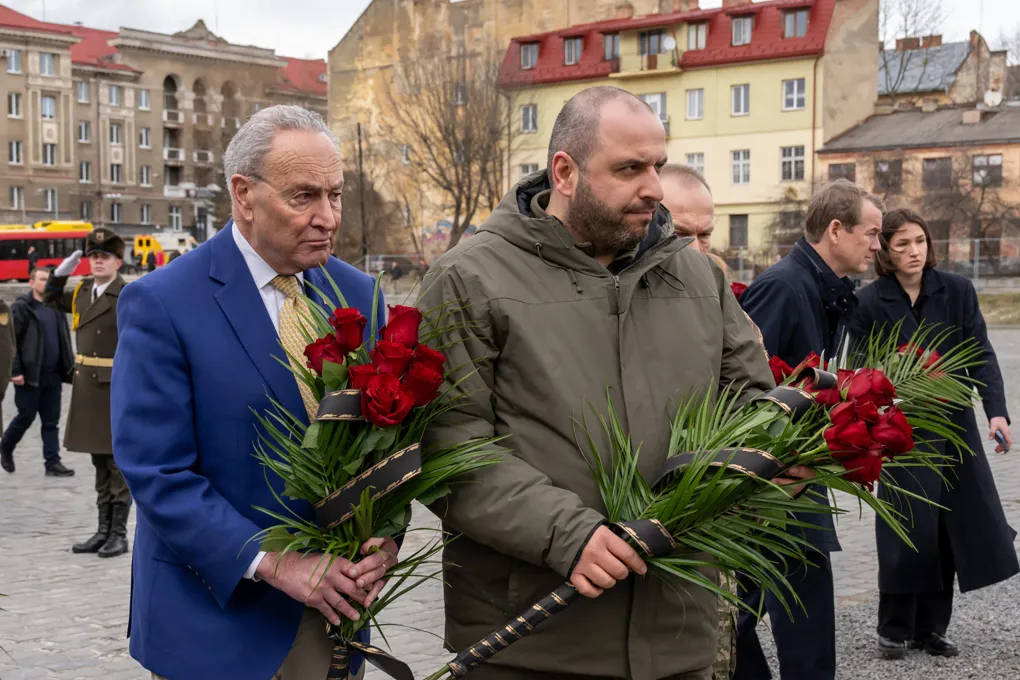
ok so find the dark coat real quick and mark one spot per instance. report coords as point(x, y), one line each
point(28, 334)
point(801, 306)
point(980, 538)
point(8, 348)
point(88, 420)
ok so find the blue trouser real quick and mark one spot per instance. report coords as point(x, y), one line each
point(43, 400)
point(805, 643)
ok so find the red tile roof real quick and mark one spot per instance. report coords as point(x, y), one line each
point(11, 19)
point(95, 50)
point(767, 42)
point(304, 75)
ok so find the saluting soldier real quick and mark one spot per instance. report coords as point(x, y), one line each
point(92, 305)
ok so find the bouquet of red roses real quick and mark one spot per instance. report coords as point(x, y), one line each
point(360, 463)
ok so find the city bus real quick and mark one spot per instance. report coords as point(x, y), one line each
point(51, 244)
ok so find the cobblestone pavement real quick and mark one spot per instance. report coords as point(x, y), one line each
point(66, 614)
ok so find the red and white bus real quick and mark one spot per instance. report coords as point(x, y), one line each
point(52, 244)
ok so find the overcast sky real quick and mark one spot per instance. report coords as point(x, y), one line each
point(310, 28)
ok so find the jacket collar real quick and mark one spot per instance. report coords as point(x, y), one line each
point(890, 290)
point(103, 302)
point(835, 291)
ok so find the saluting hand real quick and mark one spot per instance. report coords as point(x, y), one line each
point(70, 263)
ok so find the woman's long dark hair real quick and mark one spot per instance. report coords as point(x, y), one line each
point(892, 222)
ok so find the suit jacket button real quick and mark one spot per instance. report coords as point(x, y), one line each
point(99, 332)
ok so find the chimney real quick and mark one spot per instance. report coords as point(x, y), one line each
point(907, 44)
point(930, 105)
point(972, 117)
point(735, 3)
point(931, 41)
point(685, 5)
point(625, 10)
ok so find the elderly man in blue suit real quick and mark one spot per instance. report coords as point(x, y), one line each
point(199, 342)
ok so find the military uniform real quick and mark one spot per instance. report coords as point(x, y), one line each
point(8, 348)
point(94, 321)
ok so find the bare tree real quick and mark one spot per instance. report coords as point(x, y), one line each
point(454, 122)
point(908, 20)
point(1011, 43)
point(381, 212)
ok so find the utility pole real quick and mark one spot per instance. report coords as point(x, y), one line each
point(361, 200)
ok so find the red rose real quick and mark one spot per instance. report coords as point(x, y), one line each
point(383, 402)
point(402, 327)
point(869, 384)
point(810, 361)
point(893, 432)
point(780, 369)
point(323, 349)
point(738, 288)
point(359, 375)
point(390, 357)
point(422, 383)
point(864, 468)
point(849, 431)
point(430, 358)
point(350, 328)
point(930, 360)
point(833, 395)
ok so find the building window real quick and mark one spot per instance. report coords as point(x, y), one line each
point(84, 131)
point(14, 104)
point(572, 48)
point(529, 118)
point(657, 103)
point(14, 61)
point(115, 212)
point(846, 171)
point(742, 30)
point(50, 197)
point(256, 107)
point(888, 177)
point(988, 171)
point(795, 23)
point(115, 131)
point(49, 154)
point(611, 46)
point(528, 168)
point(793, 163)
point(85, 172)
point(47, 64)
point(115, 95)
point(146, 216)
point(85, 210)
point(17, 196)
point(792, 220)
point(741, 98)
point(405, 154)
point(695, 104)
point(145, 175)
point(651, 42)
point(49, 108)
point(697, 36)
point(741, 166)
point(144, 97)
point(83, 92)
point(937, 173)
point(738, 231)
point(696, 161)
point(116, 173)
point(175, 217)
point(459, 95)
point(145, 138)
point(529, 55)
point(15, 153)
point(794, 94)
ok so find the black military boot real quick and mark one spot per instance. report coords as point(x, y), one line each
point(102, 533)
point(116, 543)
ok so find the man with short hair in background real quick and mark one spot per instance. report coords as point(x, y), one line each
point(686, 195)
point(42, 363)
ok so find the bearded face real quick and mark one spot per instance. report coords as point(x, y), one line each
point(609, 228)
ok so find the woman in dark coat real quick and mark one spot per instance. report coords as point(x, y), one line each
point(971, 540)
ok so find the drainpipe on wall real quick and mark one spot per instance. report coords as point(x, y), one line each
point(814, 116)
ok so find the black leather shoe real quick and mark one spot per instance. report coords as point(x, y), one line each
point(7, 460)
point(891, 649)
point(58, 470)
point(937, 645)
point(97, 540)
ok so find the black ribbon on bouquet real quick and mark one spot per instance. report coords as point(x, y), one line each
point(795, 401)
point(647, 534)
point(750, 462)
point(340, 663)
point(381, 478)
point(342, 405)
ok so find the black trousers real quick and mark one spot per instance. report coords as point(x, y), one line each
point(110, 484)
point(43, 401)
point(912, 616)
point(805, 642)
point(490, 672)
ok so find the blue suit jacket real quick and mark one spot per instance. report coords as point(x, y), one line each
point(195, 357)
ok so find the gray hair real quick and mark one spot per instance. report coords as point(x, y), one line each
point(687, 175)
point(247, 151)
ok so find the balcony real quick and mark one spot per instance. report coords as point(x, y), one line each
point(174, 192)
point(173, 155)
point(204, 157)
point(172, 117)
point(202, 119)
point(636, 66)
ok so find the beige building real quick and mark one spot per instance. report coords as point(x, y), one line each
point(127, 129)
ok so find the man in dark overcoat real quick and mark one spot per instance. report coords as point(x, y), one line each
point(92, 305)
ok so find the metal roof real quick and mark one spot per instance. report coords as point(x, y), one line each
point(918, 129)
point(926, 69)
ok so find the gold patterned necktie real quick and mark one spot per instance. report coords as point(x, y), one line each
point(292, 333)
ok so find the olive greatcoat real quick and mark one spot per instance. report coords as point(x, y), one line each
point(8, 349)
point(95, 324)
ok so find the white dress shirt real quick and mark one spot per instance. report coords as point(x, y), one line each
point(273, 299)
point(99, 288)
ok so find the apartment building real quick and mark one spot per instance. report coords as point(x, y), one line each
point(127, 129)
